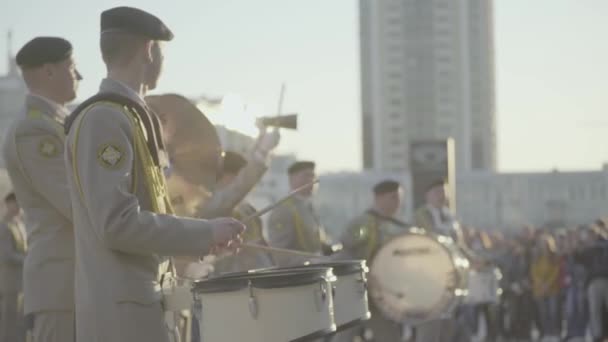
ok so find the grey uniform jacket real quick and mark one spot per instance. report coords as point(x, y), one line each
point(295, 225)
point(11, 261)
point(120, 241)
point(33, 153)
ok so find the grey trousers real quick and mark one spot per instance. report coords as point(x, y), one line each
point(443, 330)
point(12, 327)
point(598, 300)
point(53, 326)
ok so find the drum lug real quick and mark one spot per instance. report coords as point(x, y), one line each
point(320, 295)
point(197, 308)
point(253, 302)
point(363, 283)
point(323, 288)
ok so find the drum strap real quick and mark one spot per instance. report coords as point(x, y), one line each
point(254, 227)
point(297, 221)
point(18, 236)
point(372, 241)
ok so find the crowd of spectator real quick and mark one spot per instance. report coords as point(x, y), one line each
point(554, 283)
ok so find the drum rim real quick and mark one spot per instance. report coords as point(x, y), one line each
point(354, 322)
point(339, 267)
point(317, 334)
point(274, 279)
point(455, 301)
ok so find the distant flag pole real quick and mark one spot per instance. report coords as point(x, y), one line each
point(281, 96)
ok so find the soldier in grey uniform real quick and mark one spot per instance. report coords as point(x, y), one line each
point(295, 224)
point(33, 152)
point(238, 176)
point(13, 246)
point(124, 229)
point(362, 238)
point(235, 169)
point(436, 217)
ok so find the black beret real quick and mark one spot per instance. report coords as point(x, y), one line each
point(10, 197)
point(43, 50)
point(233, 162)
point(435, 183)
point(386, 187)
point(135, 21)
point(299, 166)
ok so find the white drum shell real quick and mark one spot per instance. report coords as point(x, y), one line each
point(350, 300)
point(284, 314)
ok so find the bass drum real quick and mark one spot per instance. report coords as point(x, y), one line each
point(418, 277)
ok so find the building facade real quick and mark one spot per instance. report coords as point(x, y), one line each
point(12, 94)
point(551, 199)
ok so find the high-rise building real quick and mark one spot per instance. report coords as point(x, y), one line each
point(12, 93)
point(427, 72)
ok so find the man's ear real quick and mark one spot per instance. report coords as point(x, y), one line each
point(49, 70)
point(148, 45)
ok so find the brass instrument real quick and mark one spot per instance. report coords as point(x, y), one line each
point(194, 150)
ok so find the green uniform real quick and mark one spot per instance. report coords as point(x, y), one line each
point(246, 259)
point(295, 225)
point(13, 247)
point(362, 239)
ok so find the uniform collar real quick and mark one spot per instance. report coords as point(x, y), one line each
point(109, 85)
point(46, 106)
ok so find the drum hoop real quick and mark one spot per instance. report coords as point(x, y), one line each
point(435, 309)
point(274, 279)
point(316, 335)
point(340, 267)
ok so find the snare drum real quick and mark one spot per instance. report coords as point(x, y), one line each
point(484, 286)
point(350, 291)
point(268, 306)
point(417, 277)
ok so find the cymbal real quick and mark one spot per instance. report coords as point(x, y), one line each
point(194, 150)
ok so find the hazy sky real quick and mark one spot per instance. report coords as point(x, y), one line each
point(551, 64)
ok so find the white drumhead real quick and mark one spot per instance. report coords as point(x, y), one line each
point(413, 278)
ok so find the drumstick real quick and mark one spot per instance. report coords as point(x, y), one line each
point(281, 201)
point(280, 250)
point(274, 205)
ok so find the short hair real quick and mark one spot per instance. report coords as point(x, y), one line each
point(386, 186)
point(118, 48)
point(233, 162)
point(300, 166)
point(10, 197)
point(435, 183)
